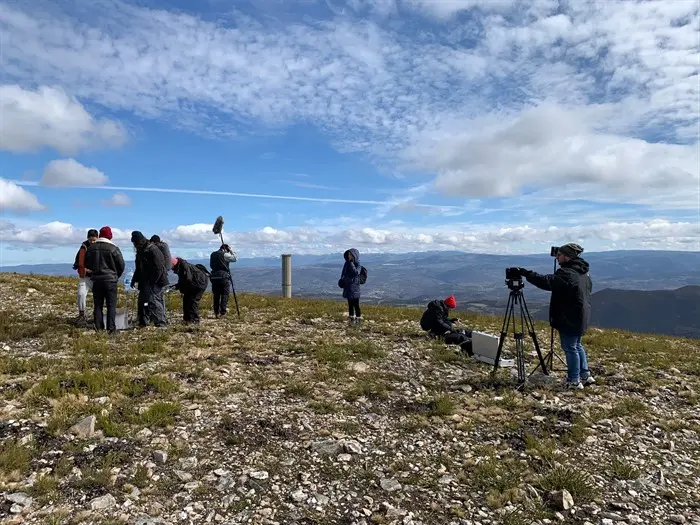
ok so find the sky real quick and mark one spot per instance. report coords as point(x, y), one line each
point(312, 126)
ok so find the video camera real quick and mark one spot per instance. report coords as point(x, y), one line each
point(513, 274)
point(554, 251)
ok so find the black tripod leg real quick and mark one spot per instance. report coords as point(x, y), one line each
point(235, 299)
point(531, 330)
point(504, 331)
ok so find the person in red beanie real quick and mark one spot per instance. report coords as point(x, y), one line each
point(105, 263)
point(437, 323)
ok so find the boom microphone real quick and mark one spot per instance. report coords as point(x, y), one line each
point(218, 225)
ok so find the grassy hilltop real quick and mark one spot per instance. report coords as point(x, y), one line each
point(289, 416)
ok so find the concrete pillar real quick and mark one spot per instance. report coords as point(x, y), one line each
point(286, 274)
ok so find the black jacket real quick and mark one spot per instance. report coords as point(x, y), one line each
point(570, 305)
point(435, 318)
point(220, 269)
point(191, 279)
point(104, 259)
point(150, 266)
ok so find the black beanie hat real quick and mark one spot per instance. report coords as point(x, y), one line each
point(155, 238)
point(137, 237)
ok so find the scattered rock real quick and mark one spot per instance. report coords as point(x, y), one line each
point(390, 484)
point(160, 457)
point(103, 502)
point(561, 499)
point(298, 496)
point(85, 428)
point(259, 474)
point(677, 518)
point(328, 447)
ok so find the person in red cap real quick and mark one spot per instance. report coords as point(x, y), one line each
point(105, 264)
point(437, 323)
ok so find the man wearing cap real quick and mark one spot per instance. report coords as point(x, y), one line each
point(104, 264)
point(85, 283)
point(437, 323)
point(151, 275)
point(569, 308)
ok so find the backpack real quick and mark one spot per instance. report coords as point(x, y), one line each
point(163, 247)
point(201, 277)
point(363, 275)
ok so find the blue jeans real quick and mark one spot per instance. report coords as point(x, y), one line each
point(576, 360)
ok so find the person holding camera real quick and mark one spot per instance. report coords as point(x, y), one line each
point(569, 308)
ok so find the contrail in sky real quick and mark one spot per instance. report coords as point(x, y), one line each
point(244, 195)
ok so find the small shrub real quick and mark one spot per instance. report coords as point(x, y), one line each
point(622, 469)
point(577, 482)
point(160, 414)
point(443, 405)
point(14, 457)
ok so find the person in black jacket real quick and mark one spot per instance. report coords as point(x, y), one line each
point(437, 322)
point(221, 277)
point(105, 264)
point(569, 308)
point(192, 283)
point(151, 276)
point(165, 250)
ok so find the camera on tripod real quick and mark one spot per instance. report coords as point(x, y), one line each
point(554, 251)
point(514, 274)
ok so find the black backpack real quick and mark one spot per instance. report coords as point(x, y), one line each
point(363, 275)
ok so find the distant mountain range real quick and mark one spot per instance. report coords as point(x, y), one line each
point(648, 289)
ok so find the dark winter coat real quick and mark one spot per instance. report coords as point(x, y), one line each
point(165, 250)
point(570, 305)
point(150, 266)
point(104, 260)
point(435, 318)
point(190, 279)
point(350, 276)
point(220, 270)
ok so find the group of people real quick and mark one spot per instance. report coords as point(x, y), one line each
point(100, 264)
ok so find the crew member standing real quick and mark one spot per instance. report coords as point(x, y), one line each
point(105, 264)
point(85, 283)
point(219, 262)
point(151, 276)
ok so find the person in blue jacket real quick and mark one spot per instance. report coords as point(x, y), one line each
point(350, 283)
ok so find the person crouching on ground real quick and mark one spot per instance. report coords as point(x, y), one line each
point(192, 283)
point(350, 283)
point(437, 323)
point(151, 276)
point(85, 283)
point(569, 309)
point(221, 277)
point(105, 263)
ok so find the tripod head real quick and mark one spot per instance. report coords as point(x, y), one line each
point(514, 279)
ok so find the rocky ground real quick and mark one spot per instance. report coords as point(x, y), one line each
point(289, 416)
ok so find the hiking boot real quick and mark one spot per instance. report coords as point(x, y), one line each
point(351, 320)
point(590, 380)
point(571, 385)
point(358, 320)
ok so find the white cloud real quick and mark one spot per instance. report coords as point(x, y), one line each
point(69, 172)
point(194, 238)
point(50, 235)
point(381, 89)
point(551, 146)
point(16, 199)
point(48, 117)
point(118, 200)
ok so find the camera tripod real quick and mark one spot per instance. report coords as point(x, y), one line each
point(517, 297)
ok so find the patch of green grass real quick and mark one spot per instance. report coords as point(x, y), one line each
point(499, 475)
point(140, 478)
point(45, 488)
point(577, 482)
point(368, 386)
point(15, 457)
point(324, 407)
point(628, 406)
point(298, 388)
point(442, 405)
point(15, 328)
point(100, 383)
point(160, 414)
point(622, 469)
point(543, 448)
point(14, 366)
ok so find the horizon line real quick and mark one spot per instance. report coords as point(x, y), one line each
point(532, 254)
